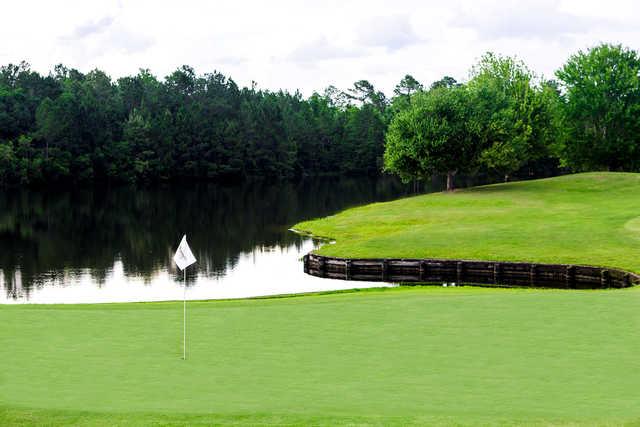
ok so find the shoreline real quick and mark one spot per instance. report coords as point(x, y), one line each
point(469, 272)
point(429, 287)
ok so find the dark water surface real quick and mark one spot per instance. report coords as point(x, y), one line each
point(116, 244)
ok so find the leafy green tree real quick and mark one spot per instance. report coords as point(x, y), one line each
point(269, 153)
point(446, 81)
point(549, 125)
point(57, 127)
point(364, 92)
point(336, 97)
point(135, 154)
point(320, 153)
point(29, 161)
point(363, 141)
point(514, 114)
point(437, 135)
point(7, 163)
point(602, 91)
point(403, 92)
point(407, 86)
point(15, 116)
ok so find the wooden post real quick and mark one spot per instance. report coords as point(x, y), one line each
point(496, 273)
point(423, 271)
point(570, 276)
point(385, 270)
point(322, 267)
point(532, 275)
point(347, 269)
point(459, 271)
point(604, 278)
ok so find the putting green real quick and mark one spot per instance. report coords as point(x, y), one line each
point(397, 356)
point(589, 218)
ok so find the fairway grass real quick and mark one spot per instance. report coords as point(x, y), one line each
point(590, 218)
point(400, 356)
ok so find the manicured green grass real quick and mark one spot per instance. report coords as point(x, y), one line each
point(399, 356)
point(591, 218)
point(422, 356)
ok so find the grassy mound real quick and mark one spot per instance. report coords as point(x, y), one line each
point(591, 218)
point(400, 356)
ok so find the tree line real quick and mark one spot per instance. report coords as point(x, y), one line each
point(504, 121)
point(72, 127)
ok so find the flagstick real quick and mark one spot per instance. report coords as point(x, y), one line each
point(184, 317)
point(183, 259)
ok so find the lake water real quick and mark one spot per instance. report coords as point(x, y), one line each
point(117, 244)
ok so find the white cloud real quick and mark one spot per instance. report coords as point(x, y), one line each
point(322, 49)
point(392, 32)
point(511, 20)
point(306, 44)
point(89, 28)
point(98, 38)
point(543, 19)
point(125, 40)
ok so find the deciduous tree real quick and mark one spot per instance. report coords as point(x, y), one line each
point(602, 91)
point(438, 134)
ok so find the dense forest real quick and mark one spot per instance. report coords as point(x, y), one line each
point(505, 120)
point(70, 126)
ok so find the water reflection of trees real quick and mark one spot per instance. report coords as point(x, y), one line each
point(46, 235)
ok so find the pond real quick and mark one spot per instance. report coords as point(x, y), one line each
point(116, 244)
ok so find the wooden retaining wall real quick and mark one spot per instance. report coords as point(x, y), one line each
point(515, 274)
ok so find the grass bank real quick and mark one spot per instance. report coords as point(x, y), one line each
point(396, 356)
point(591, 218)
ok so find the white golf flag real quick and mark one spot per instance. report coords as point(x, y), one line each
point(184, 257)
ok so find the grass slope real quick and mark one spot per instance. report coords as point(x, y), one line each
point(398, 356)
point(591, 218)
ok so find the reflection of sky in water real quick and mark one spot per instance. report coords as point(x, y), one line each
point(117, 244)
point(263, 271)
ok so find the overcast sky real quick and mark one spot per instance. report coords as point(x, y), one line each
point(305, 44)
